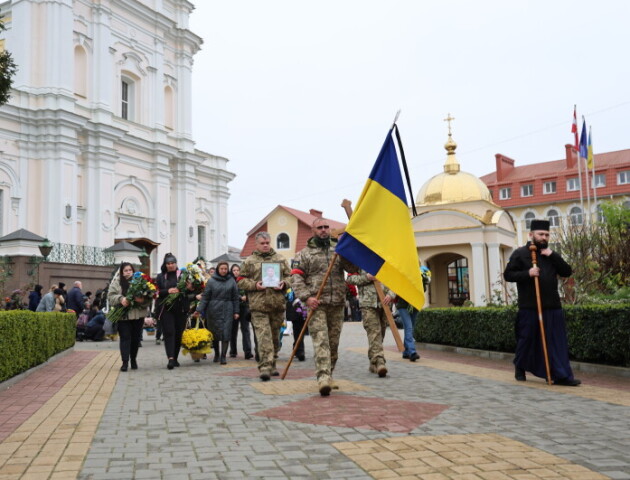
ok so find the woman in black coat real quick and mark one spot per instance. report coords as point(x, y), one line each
point(34, 297)
point(219, 305)
point(172, 317)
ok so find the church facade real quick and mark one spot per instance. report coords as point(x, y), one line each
point(96, 142)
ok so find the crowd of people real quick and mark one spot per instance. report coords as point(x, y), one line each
point(265, 292)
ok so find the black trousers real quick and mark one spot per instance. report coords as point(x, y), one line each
point(298, 324)
point(173, 325)
point(130, 332)
point(243, 321)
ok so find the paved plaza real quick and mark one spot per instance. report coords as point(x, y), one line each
point(446, 416)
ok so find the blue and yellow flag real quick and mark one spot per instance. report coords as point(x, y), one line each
point(589, 158)
point(379, 236)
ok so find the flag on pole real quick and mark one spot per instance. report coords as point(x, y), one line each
point(583, 146)
point(589, 161)
point(379, 236)
point(574, 128)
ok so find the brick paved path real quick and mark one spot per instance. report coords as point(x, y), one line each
point(446, 416)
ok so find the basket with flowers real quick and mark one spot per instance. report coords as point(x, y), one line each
point(190, 274)
point(196, 341)
point(141, 289)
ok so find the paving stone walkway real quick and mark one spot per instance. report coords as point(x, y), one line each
point(446, 416)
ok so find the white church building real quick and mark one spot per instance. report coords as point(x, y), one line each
point(96, 142)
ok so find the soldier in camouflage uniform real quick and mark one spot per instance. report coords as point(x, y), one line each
point(265, 303)
point(309, 268)
point(374, 319)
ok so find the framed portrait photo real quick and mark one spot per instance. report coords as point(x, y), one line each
point(270, 274)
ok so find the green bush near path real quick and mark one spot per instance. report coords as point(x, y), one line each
point(28, 339)
point(597, 333)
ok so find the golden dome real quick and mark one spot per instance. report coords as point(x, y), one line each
point(453, 185)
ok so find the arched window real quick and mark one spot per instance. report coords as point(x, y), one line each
point(80, 72)
point(169, 108)
point(575, 216)
point(529, 216)
point(282, 241)
point(458, 291)
point(553, 217)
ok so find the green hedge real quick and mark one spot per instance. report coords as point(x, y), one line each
point(596, 333)
point(29, 338)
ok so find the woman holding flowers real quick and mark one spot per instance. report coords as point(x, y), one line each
point(133, 311)
point(219, 305)
point(171, 308)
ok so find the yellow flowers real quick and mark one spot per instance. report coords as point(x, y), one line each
point(196, 340)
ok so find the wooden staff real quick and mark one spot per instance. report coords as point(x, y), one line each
point(347, 206)
point(309, 315)
point(532, 249)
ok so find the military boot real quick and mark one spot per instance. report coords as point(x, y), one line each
point(381, 369)
point(324, 385)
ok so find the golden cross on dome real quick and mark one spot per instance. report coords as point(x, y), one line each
point(449, 119)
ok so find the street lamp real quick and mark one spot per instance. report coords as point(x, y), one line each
point(144, 258)
point(45, 248)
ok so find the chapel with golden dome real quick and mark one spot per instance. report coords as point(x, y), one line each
point(462, 235)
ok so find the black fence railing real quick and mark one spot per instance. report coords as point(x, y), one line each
point(80, 255)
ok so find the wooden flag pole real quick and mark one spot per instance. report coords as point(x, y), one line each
point(309, 315)
point(532, 249)
point(347, 206)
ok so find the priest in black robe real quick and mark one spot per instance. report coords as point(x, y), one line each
point(529, 356)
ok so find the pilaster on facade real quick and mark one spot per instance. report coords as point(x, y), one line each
point(479, 274)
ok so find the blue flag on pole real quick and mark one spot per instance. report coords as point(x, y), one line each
point(583, 141)
point(379, 237)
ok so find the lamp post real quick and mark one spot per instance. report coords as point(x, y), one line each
point(44, 248)
point(144, 259)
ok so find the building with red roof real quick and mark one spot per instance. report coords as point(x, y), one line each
point(551, 190)
point(289, 229)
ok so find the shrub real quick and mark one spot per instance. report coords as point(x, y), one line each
point(29, 338)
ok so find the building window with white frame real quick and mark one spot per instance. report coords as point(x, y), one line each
point(553, 217)
point(599, 180)
point(623, 178)
point(127, 98)
point(505, 193)
point(549, 187)
point(575, 216)
point(529, 216)
point(282, 241)
point(527, 190)
point(201, 241)
point(573, 184)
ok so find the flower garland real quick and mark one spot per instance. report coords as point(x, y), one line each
point(141, 288)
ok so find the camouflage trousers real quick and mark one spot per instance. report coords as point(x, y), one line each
point(325, 330)
point(267, 331)
point(375, 324)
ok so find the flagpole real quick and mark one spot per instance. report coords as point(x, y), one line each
point(576, 145)
point(592, 156)
point(579, 165)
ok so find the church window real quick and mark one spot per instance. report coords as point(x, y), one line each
point(282, 241)
point(127, 98)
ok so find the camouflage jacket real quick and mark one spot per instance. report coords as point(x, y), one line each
point(269, 299)
point(367, 292)
point(309, 269)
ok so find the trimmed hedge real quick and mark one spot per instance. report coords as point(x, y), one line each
point(29, 338)
point(596, 333)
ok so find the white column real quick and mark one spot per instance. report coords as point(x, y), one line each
point(102, 76)
point(479, 281)
point(495, 273)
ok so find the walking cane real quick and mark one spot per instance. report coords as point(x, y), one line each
point(532, 249)
point(309, 315)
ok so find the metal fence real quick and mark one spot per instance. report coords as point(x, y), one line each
point(80, 255)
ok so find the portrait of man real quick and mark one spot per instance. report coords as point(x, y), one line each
point(271, 274)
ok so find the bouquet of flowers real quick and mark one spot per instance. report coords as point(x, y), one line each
point(192, 274)
point(141, 288)
point(196, 341)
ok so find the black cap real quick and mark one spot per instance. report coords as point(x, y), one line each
point(169, 258)
point(58, 291)
point(539, 225)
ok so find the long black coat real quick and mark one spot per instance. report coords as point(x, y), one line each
point(219, 302)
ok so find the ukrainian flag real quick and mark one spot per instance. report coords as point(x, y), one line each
point(379, 236)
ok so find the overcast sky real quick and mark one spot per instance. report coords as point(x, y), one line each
point(300, 95)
